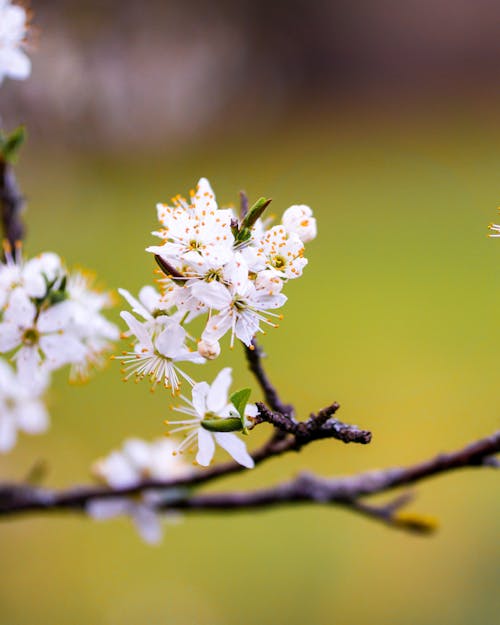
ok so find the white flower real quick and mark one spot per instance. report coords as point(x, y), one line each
point(41, 338)
point(242, 307)
point(137, 461)
point(193, 230)
point(156, 351)
point(150, 303)
point(299, 220)
point(21, 407)
point(283, 252)
point(209, 402)
point(13, 28)
point(94, 331)
point(33, 275)
point(269, 281)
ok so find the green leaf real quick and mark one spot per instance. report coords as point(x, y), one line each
point(11, 144)
point(239, 399)
point(255, 212)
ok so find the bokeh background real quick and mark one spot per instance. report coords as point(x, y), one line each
point(384, 117)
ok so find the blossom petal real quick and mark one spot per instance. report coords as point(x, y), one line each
point(28, 362)
point(219, 390)
point(20, 310)
point(8, 433)
point(33, 418)
point(213, 294)
point(171, 340)
point(137, 329)
point(136, 306)
point(200, 392)
point(137, 451)
point(235, 447)
point(147, 523)
point(61, 349)
point(10, 337)
point(218, 326)
point(16, 63)
point(55, 318)
point(206, 447)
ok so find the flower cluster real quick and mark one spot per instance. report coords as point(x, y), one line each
point(13, 29)
point(137, 461)
point(230, 272)
point(49, 318)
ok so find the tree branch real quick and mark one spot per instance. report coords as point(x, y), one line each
point(347, 492)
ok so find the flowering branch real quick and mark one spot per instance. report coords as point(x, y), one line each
point(231, 270)
point(347, 492)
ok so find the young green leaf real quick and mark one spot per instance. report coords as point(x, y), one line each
point(255, 212)
point(239, 399)
point(10, 144)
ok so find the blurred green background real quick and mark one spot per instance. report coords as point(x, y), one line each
point(396, 317)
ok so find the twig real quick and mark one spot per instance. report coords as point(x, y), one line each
point(316, 427)
point(11, 205)
point(254, 358)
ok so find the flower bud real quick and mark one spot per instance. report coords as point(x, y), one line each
point(222, 424)
point(209, 349)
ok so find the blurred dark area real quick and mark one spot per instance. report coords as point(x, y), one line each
point(128, 73)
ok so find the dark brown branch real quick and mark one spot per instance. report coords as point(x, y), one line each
point(11, 205)
point(254, 358)
point(306, 488)
point(316, 427)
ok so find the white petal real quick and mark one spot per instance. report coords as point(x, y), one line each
point(200, 392)
point(32, 417)
point(218, 326)
point(213, 294)
point(219, 390)
point(28, 362)
point(20, 310)
point(103, 509)
point(15, 63)
point(206, 447)
point(55, 318)
point(116, 470)
point(136, 306)
point(10, 336)
point(61, 349)
point(251, 410)
point(147, 524)
point(171, 340)
point(137, 329)
point(246, 327)
point(204, 198)
point(8, 434)
point(235, 447)
point(138, 452)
